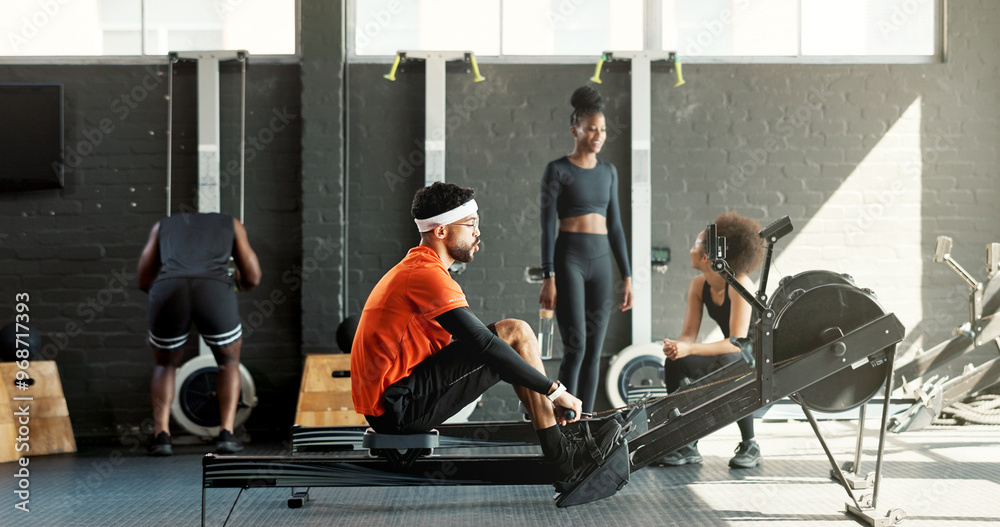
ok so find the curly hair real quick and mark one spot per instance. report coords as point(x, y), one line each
point(586, 101)
point(439, 197)
point(744, 248)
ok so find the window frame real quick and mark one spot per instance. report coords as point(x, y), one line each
point(653, 36)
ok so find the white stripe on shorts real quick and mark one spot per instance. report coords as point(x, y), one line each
point(167, 344)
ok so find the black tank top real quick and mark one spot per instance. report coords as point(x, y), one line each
point(196, 246)
point(720, 314)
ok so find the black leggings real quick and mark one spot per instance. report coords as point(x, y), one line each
point(583, 305)
point(694, 367)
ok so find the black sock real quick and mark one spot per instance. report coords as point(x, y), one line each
point(551, 439)
point(556, 448)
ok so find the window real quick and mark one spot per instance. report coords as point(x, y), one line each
point(117, 27)
point(807, 31)
point(731, 28)
point(858, 27)
point(383, 27)
point(588, 28)
point(801, 28)
point(496, 27)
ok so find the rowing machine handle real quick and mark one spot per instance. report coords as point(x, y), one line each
point(569, 414)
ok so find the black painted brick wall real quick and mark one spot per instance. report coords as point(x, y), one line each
point(322, 250)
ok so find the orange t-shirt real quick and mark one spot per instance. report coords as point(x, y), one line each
point(397, 330)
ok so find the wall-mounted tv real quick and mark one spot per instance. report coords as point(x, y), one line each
point(31, 136)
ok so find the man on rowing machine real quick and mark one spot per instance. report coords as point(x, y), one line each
point(420, 355)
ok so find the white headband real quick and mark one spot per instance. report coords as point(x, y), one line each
point(447, 217)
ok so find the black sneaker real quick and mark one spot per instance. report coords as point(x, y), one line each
point(747, 455)
point(585, 451)
point(160, 445)
point(227, 443)
point(685, 455)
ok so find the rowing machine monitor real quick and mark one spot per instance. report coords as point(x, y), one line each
point(776, 230)
point(942, 249)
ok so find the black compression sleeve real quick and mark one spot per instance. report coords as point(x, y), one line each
point(497, 354)
point(549, 216)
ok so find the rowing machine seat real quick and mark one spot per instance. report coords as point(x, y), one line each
point(403, 449)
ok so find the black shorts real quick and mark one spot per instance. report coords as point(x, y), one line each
point(174, 303)
point(436, 389)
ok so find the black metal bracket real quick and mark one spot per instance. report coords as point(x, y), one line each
point(716, 246)
point(771, 234)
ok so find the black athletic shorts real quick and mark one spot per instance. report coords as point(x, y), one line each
point(436, 389)
point(174, 303)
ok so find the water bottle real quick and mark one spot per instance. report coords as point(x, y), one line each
point(545, 322)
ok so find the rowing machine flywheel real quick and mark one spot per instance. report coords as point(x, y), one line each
point(814, 317)
point(805, 281)
point(196, 404)
point(635, 371)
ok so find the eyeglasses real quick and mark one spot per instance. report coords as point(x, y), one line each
point(474, 225)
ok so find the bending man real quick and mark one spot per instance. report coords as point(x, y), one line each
point(184, 268)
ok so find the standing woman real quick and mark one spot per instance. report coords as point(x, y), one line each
point(710, 292)
point(581, 191)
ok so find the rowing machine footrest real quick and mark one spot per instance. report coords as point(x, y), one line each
point(605, 481)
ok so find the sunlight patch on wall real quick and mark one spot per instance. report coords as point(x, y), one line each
point(871, 227)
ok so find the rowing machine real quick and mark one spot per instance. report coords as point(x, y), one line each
point(924, 378)
point(820, 332)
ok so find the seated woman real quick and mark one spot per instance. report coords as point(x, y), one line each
point(692, 360)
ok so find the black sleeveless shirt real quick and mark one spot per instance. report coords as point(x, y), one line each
point(720, 314)
point(196, 246)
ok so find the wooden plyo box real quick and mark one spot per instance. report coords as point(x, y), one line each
point(49, 428)
point(325, 400)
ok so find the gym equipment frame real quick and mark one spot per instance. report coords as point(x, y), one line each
point(828, 346)
point(640, 68)
point(435, 120)
point(917, 379)
point(195, 380)
point(435, 109)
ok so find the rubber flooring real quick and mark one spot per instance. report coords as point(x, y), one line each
point(941, 475)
